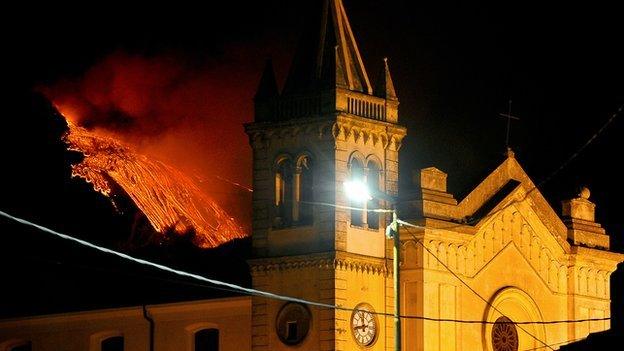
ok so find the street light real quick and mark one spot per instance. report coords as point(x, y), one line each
point(357, 190)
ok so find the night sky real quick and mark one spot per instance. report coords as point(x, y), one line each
point(454, 65)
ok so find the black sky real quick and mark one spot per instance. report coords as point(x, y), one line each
point(455, 65)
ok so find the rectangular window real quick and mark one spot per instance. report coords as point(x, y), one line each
point(207, 340)
point(116, 343)
point(24, 347)
point(291, 333)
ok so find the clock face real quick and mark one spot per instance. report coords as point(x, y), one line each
point(364, 325)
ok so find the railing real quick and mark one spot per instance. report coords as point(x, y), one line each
point(299, 106)
point(366, 109)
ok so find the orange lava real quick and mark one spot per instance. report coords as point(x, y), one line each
point(170, 200)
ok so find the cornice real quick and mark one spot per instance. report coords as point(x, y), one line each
point(584, 271)
point(338, 260)
point(340, 127)
point(369, 132)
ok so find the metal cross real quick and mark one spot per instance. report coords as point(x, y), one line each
point(509, 117)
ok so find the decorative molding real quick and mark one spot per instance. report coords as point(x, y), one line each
point(261, 135)
point(367, 134)
point(557, 271)
point(346, 263)
point(525, 193)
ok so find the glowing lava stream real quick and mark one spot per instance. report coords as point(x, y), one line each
point(169, 199)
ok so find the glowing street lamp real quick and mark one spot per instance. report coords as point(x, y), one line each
point(358, 191)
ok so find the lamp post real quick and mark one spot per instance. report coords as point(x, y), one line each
point(358, 191)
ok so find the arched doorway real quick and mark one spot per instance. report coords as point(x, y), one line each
point(501, 334)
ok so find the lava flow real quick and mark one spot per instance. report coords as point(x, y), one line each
point(169, 199)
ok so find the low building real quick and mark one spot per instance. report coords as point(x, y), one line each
point(218, 324)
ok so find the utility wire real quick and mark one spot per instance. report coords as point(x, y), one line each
point(233, 287)
point(540, 184)
point(466, 284)
point(473, 221)
point(584, 146)
point(343, 207)
point(129, 274)
point(163, 267)
point(566, 162)
point(555, 344)
point(220, 285)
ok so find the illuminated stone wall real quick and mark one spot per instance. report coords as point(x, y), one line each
point(343, 264)
point(515, 255)
point(175, 327)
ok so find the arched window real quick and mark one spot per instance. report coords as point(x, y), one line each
point(373, 177)
point(207, 340)
point(115, 343)
point(504, 335)
point(26, 346)
point(368, 172)
point(302, 212)
point(293, 191)
point(283, 193)
point(358, 217)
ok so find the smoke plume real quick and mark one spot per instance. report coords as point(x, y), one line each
point(185, 113)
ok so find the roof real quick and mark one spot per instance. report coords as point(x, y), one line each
point(327, 55)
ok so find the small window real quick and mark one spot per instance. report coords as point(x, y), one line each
point(115, 343)
point(207, 340)
point(294, 192)
point(22, 347)
point(372, 180)
point(504, 335)
point(293, 323)
point(357, 173)
point(305, 191)
point(283, 193)
point(291, 332)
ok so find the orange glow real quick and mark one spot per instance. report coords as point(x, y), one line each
point(170, 108)
point(168, 198)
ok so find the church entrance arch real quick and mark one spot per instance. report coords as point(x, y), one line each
point(515, 305)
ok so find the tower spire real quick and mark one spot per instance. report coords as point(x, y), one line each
point(384, 87)
point(327, 55)
point(267, 88)
point(266, 94)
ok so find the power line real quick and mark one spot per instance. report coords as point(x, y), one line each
point(584, 146)
point(555, 344)
point(343, 207)
point(466, 284)
point(556, 171)
point(472, 221)
point(460, 279)
point(160, 266)
point(220, 285)
point(540, 184)
point(129, 274)
point(233, 287)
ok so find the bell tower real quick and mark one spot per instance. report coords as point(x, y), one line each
point(328, 124)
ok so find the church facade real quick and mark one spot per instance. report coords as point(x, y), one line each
point(482, 273)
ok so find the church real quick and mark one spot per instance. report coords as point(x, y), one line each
point(497, 270)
